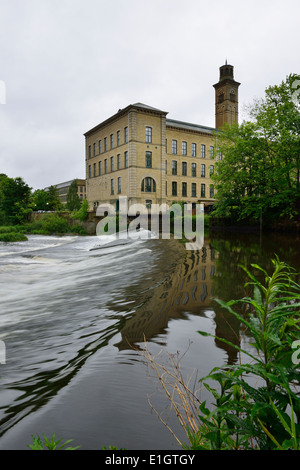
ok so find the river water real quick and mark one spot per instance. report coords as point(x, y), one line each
point(74, 320)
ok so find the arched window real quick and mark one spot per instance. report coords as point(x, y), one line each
point(148, 185)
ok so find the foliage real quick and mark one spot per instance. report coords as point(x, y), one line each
point(255, 404)
point(38, 444)
point(78, 229)
point(47, 444)
point(15, 203)
point(247, 416)
point(82, 213)
point(260, 172)
point(54, 203)
point(12, 237)
point(40, 200)
point(73, 200)
point(112, 448)
point(54, 223)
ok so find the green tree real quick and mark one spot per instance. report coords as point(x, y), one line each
point(260, 172)
point(40, 199)
point(15, 199)
point(82, 213)
point(73, 200)
point(54, 202)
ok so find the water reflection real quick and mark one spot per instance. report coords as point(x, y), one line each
point(200, 277)
point(120, 300)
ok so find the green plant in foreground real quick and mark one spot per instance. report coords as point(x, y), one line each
point(38, 444)
point(266, 415)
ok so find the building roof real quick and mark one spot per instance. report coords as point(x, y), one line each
point(124, 111)
point(149, 108)
point(189, 126)
point(169, 122)
point(80, 181)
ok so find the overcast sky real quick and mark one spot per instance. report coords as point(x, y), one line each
point(67, 65)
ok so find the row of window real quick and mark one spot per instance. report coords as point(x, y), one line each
point(149, 186)
point(112, 186)
point(184, 189)
point(102, 168)
point(184, 150)
point(109, 165)
point(193, 169)
point(102, 146)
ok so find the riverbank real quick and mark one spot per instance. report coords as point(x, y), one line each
point(283, 225)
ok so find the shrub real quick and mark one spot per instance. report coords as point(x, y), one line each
point(242, 416)
point(53, 223)
point(12, 237)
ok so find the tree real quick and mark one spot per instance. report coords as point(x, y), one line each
point(260, 172)
point(40, 199)
point(73, 200)
point(83, 212)
point(54, 202)
point(15, 199)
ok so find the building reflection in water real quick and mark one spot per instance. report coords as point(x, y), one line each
point(189, 288)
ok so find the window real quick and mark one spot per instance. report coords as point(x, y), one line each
point(118, 138)
point(90, 151)
point(211, 170)
point(174, 147)
point(148, 185)
point(194, 171)
point(202, 151)
point(174, 167)
point(211, 151)
point(119, 185)
point(194, 190)
point(126, 135)
point(90, 171)
point(95, 169)
point(100, 146)
point(184, 189)
point(194, 150)
point(95, 149)
point(220, 155)
point(112, 187)
point(100, 168)
point(211, 190)
point(202, 190)
point(148, 162)
point(112, 164)
point(174, 188)
point(111, 141)
point(105, 165)
point(184, 168)
point(202, 170)
point(148, 134)
point(184, 148)
point(119, 161)
point(105, 144)
point(126, 159)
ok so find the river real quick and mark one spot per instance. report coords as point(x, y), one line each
point(74, 321)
